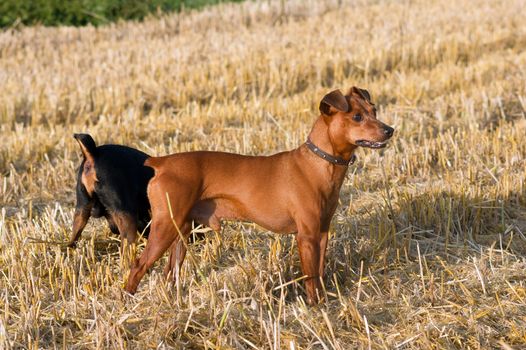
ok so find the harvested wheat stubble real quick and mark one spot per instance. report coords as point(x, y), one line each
point(427, 246)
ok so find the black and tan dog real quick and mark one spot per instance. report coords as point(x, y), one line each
point(112, 182)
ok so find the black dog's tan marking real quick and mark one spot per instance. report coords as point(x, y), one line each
point(111, 183)
point(89, 176)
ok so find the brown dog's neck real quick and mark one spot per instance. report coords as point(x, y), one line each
point(329, 176)
point(321, 137)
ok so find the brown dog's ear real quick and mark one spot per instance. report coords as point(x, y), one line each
point(361, 92)
point(336, 100)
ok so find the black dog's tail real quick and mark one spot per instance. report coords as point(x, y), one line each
point(87, 145)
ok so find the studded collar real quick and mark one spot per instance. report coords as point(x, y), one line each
point(328, 157)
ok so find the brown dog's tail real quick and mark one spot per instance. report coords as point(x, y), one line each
point(153, 162)
point(87, 145)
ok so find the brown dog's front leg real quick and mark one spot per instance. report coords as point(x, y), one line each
point(310, 253)
point(323, 249)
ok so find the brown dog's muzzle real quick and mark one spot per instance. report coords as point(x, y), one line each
point(386, 131)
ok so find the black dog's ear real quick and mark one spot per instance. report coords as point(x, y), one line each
point(336, 100)
point(362, 92)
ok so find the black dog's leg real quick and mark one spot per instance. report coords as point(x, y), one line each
point(127, 225)
point(113, 226)
point(82, 212)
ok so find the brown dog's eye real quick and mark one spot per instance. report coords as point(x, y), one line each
point(357, 118)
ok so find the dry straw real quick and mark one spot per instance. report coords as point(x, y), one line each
point(427, 246)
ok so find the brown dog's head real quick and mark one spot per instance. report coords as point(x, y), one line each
point(351, 120)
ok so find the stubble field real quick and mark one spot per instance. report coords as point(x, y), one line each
point(427, 248)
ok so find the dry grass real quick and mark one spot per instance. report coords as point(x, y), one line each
point(427, 247)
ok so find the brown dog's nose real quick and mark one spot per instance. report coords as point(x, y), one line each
point(388, 131)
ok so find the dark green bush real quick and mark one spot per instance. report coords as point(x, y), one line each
point(82, 12)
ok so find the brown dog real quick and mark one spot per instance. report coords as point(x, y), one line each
point(289, 192)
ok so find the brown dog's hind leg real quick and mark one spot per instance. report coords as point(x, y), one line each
point(177, 254)
point(172, 269)
point(162, 235)
point(168, 211)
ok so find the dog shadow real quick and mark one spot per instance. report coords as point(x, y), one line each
point(435, 226)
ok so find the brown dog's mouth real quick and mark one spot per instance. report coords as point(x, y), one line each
point(371, 144)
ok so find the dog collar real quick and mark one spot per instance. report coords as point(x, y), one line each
point(326, 156)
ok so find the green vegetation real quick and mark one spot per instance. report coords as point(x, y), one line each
point(83, 12)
